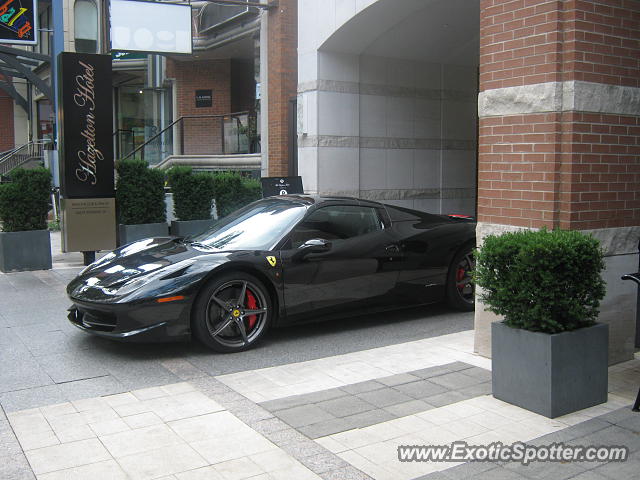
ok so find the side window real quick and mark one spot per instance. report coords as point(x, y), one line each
point(336, 223)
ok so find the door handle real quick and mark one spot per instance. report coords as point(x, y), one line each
point(392, 248)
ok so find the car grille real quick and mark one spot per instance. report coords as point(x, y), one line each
point(94, 320)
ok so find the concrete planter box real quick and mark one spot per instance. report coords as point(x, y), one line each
point(550, 374)
point(184, 228)
point(131, 233)
point(22, 251)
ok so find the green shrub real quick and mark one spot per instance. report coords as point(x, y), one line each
point(542, 281)
point(193, 193)
point(234, 191)
point(24, 203)
point(139, 193)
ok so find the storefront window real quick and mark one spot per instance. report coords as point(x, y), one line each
point(45, 120)
point(85, 16)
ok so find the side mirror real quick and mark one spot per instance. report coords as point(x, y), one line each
point(315, 245)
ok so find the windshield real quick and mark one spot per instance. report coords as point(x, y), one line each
point(258, 226)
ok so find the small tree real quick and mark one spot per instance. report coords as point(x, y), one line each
point(234, 191)
point(139, 193)
point(540, 280)
point(193, 193)
point(24, 202)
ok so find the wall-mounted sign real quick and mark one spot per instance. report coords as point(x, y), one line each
point(150, 26)
point(85, 117)
point(281, 186)
point(204, 98)
point(18, 22)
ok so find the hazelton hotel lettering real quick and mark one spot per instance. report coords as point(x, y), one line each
point(84, 98)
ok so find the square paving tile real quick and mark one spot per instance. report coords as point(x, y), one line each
point(385, 397)
point(106, 470)
point(422, 389)
point(455, 380)
point(304, 415)
point(140, 440)
point(362, 387)
point(59, 457)
point(344, 406)
point(161, 462)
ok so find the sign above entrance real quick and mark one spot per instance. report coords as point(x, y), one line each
point(18, 22)
point(272, 186)
point(150, 27)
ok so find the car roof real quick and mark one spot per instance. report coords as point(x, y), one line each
point(321, 199)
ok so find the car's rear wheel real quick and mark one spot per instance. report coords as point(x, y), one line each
point(232, 313)
point(460, 287)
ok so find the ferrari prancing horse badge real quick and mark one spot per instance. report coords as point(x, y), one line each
point(272, 261)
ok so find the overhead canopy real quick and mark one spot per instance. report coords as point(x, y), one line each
point(17, 63)
point(438, 31)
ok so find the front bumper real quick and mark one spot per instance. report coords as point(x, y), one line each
point(147, 322)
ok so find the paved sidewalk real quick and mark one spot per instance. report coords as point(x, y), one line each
point(76, 407)
point(207, 428)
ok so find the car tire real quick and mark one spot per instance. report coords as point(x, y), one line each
point(219, 315)
point(460, 290)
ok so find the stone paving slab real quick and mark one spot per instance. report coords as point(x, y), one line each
point(367, 403)
point(167, 431)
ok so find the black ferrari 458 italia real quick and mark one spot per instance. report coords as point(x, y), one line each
point(278, 261)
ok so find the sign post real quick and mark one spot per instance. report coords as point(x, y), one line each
point(87, 164)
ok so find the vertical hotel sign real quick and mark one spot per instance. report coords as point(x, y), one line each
point(86, 143)
point(18, 21)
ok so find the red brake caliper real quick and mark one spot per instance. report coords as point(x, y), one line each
point(251, 305)
point(459, 277)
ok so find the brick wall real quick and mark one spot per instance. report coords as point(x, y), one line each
point(201, 136)
point(534, 41)
point(571, 169)
point(6, 122)
point(283, 81)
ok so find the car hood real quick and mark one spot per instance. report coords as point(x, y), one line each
point(146, 259)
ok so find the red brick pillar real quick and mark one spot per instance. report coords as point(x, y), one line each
point(282, 81)
point(6, 124)
point(559, 137)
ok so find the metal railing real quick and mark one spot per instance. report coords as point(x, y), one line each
point(199, 135)
point(22, 154)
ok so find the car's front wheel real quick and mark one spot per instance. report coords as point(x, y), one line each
point(460, 287)
point(232, 313)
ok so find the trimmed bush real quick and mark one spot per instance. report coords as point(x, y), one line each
point(234, 191)
point(193, 193)
point(24, 202)
point(542, 281)
point(139, 193)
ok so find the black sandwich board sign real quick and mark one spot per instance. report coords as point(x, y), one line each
point(281, 186)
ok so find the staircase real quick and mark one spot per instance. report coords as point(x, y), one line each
point(203, 142)
point(25, 155)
